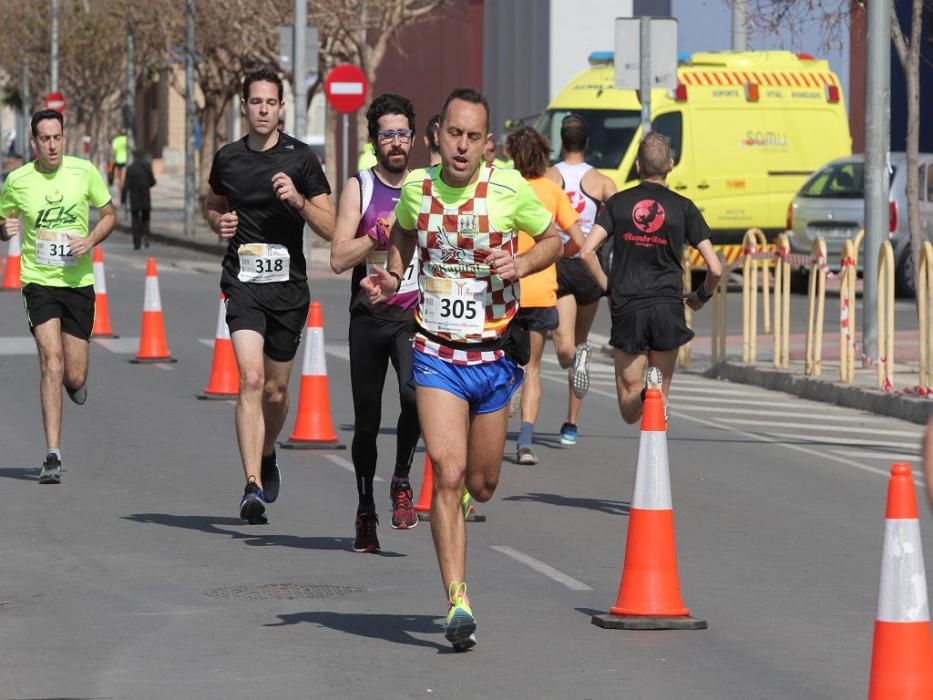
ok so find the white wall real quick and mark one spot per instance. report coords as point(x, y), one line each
point(579, 27)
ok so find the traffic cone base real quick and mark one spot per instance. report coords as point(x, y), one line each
point(648, 622)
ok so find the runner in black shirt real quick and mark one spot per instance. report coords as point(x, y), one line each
point(649, 226)
point(264, 188)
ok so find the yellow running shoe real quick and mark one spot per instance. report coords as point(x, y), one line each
point(461, 625)
point(466, 503)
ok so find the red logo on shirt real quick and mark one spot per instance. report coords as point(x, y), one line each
point(648, 215)
point(577, 201)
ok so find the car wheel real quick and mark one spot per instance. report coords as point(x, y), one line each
point(904, 276)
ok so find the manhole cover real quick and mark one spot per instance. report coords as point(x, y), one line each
point(281, 591)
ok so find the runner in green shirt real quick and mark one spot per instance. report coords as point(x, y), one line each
point(121, 154)
point(51, 195)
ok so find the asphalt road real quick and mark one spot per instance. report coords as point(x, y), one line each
point(136, 579)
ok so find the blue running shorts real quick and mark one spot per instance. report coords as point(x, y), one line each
point(487, 387)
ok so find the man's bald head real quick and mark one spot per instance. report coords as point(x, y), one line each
point(654, 156)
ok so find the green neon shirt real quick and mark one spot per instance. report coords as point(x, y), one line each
point(513, 205)
point(54, 202)
point(120, 145)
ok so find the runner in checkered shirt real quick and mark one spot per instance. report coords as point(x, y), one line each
point(464, 219)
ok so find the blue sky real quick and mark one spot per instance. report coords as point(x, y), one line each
point(706, 25)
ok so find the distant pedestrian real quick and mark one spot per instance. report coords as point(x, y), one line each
point(139, 180)
point(120, 147)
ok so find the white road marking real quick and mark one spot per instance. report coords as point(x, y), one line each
point(705, 407)
point(844, 442)
point(119, 346)
point(886, 456)
point(209, 342)
point(346, 464)
point(167, 368)
point(542, 568)
point(831, 428)
point(17, 345)
point(340, 351)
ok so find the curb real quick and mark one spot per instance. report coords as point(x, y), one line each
point(909, 408)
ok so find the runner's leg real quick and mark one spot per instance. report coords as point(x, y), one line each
point(630, 378)
point(581, 331)
point(274, 401)
point(48, 337)
point(408, 428)
point(531, 390)
point(250, 426)
point(563, 335)
point(75, 353)
point(368, 365)
point(484, 456)
point(445, 422)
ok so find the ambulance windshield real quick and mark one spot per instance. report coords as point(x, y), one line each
point(610, 132)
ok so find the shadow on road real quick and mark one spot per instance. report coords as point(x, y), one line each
point(212, 525)
point(598, 504)
point(22, 473)
point(390, 628)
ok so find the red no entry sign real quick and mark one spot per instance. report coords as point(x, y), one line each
point(56, 101)
point(346, 87)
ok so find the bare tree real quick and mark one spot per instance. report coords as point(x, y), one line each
point(834, 17)
point(359, 32)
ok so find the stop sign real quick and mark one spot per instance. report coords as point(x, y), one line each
point(346, 87)
point(56, 101)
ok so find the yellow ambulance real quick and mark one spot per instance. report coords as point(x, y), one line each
point(747, 128)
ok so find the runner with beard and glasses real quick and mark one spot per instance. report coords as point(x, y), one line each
point(264, 188)
point(379, 332)
point(462, 218)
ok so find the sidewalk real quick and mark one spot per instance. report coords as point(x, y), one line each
point(168, 228)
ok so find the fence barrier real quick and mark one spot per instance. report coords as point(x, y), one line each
point(886, 317)
point(720, 304)
point(816, 307)
point(782, 302)
point(847, 291)
point(756, 257)
point(925, 309)
point(685, 354)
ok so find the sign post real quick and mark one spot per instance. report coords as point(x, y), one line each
point(645, 58)
point(345, 88)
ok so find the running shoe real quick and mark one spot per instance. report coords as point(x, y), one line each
point(79, 395)
point(461, 625)
point(526, 455)
point(568, 434)
point(271, 477)
point(653, 380)
point(51, 470)
point(366, 538)
point(253, 505)
point(466, 503)
point(580, 371)
point(403, 510)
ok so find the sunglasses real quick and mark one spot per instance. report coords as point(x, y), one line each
point(403, 135)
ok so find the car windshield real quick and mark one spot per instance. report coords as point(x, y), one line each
point(610, 132)
point(839, 181)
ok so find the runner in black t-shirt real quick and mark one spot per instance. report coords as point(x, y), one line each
point(649, 226)
point(264, 189)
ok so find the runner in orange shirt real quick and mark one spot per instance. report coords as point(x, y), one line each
point(530, 151)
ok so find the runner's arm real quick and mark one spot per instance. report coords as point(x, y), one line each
point(346, 250)
point(108, 218)
point(544, 252)
point(575, 244)
point(590, 260)
point(401, 249)
point(319, 215)
point(219, 216)
point(713, 274)
point(9, 227)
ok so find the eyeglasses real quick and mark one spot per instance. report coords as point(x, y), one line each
point(403, 135)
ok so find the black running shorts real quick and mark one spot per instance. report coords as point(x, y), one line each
point(573, 278)
point(73, 305)
point(280, 328)
point(659, 327)
point(539, 318)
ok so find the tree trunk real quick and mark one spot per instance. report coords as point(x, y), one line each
point(209, 119)
point(912, 71)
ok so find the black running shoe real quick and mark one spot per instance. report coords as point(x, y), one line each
point(51, 470)
point(79, 395)
point(366, 538)
point(271, 477)
point(253, 505)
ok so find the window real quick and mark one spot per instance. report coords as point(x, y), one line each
point(930, 182)
point(670, 125)
point(837, 181)
point(609, 131)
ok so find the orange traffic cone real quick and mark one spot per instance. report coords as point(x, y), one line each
point(649, 593)
point(314, 428)
point(11, 276)
point(902, 653)
point(225, 376)
point(423, 506)
point(102, 326)
point(152, 345)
